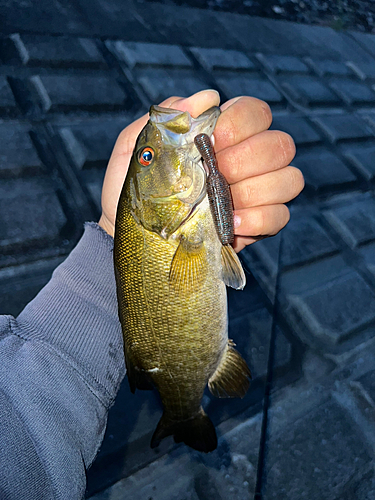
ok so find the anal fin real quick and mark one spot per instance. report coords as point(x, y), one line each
point(231, 378)
point(233, 273)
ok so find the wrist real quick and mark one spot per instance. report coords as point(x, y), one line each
point(107, 225)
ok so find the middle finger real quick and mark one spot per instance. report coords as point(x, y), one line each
point(271, 188)
point(259, 154)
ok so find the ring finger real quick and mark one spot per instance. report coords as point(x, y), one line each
point(271, 188)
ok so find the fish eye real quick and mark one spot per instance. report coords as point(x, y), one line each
point(146, 156)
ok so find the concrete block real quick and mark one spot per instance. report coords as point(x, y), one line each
point(137, 55)
point(51, 17)
point(361, 157)
point(18, 154)
point(339, 127)
point(328, 67)
point(68, 92)
point(183, 25)
point(298, 127)
point(304, 240)
point(323, 170)
point(30, 213)
point(282, 64)
point(352, 92)
point(252, 334)
point(315, 456)
point(221, 59)
point(89, 144)
point(20, 284)
point(368, 254)
point(366, 40)
point(161, 83)
point(248, 84)
point(360, 488)
point(7, 101)
point(320, 309)
point(364, 70)
point(37, 50)
point(308, 91)
point(355, 222)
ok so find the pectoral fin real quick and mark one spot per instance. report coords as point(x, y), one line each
point(233, 274)
point(187, 264)
point(231, 378)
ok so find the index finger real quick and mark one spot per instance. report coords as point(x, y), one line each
point(241, 118)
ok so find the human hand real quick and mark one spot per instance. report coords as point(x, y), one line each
point(254, 160)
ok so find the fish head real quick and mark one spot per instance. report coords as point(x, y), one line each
point(166, 173)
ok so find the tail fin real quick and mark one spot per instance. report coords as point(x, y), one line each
point(197, 432)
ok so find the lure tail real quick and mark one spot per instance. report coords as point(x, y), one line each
point(197, 432)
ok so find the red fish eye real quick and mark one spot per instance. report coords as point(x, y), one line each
point(146, 156)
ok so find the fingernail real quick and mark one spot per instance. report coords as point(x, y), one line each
point(236, 221)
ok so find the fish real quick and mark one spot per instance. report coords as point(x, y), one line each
point(171, 272)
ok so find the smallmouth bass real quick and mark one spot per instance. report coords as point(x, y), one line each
point(171, 273)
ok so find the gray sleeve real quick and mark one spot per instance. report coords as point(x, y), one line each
point(61, 364)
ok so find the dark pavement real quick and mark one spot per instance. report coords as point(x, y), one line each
point(74, 74)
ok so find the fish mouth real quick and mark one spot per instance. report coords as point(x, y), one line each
point(178, 128)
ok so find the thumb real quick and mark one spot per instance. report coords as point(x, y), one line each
point(195, 104)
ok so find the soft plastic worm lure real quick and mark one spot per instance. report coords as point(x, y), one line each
point(217, 190)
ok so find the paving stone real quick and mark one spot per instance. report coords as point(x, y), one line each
point(30, 213)
point(183, 25)
point(322, 313)
point(328, 67)
point(221, 59)
point(282, 64)
point(248, 84)
point(252, 333)
point(89, 144)
point(49, 17)
point(355, 222)
point(327, 43)
point(162, 83)
point(298, 127)
point(17, 154)
point(67, 92)
point(360, 488)
point(308, 91)
point(149, 54)
point(323, 170)
point(7, 101)
point(314, 456)
point(24, 282)
point(368, 254)
point(36, 50)
point(366, 40)
point(303, 240)
point(361, 156)
point(363, 70)
point(352, 92)
point(339, 127)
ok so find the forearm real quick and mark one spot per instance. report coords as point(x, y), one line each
point(62, 363)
